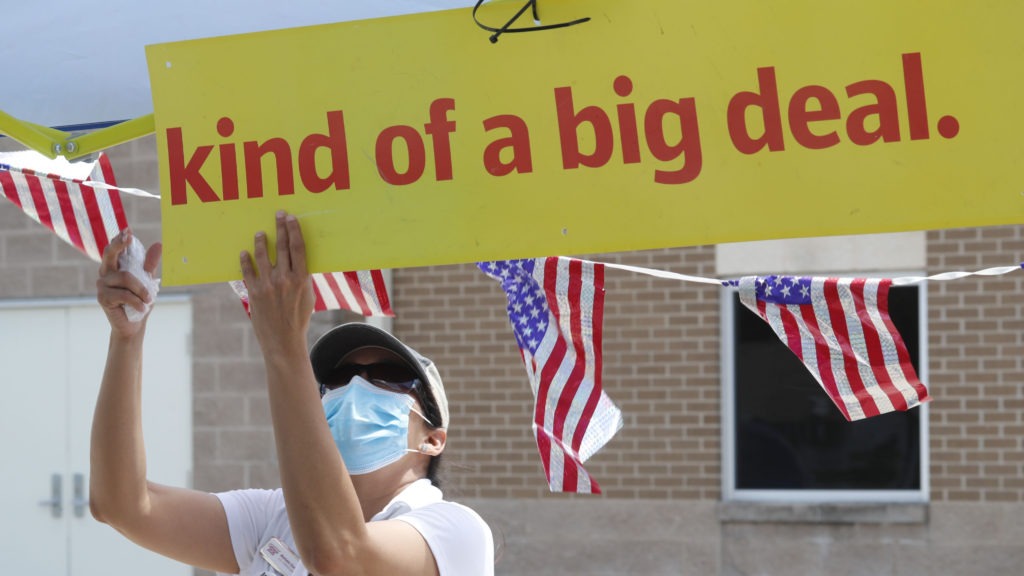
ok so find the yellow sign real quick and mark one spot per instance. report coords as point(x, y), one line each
point(414, 141)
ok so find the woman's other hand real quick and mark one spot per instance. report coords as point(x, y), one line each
point(116, 288)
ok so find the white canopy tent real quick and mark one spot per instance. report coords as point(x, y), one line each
point(81, 64)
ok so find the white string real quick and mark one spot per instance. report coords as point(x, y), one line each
point(667, 275)
point(999, 271)
point(900, 281)
point(132, 191)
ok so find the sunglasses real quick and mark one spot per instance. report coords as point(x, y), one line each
point(389, 376)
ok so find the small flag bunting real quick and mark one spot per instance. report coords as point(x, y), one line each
point(85, 216)
point(841, 330)
point(363, 292)
point(556, 308)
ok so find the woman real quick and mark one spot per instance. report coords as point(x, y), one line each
point(380, 404)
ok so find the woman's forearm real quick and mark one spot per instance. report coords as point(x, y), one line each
point(323, 509)
point(117, 486)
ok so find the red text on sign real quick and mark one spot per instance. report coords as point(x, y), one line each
point(812, 111)
point(681, 113)
point(186, 174)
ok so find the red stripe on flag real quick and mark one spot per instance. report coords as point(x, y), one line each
point(850, 366)
point(792, 329)
point(597, 319)
point(68, 212)
point(39, 200)
point(92, 208)
point(381, 290)
point(107, 171)
point(575, 378)
point(555, 358)
point(823, 356)
point(10, 189)
point(579, 368)
point(318, 303)
point(548, 371)
point(901, 348)
point(332, 284)
point(352, 278)
point(873, 343)
point(570, 475)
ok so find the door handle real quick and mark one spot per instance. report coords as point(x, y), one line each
point(56, 501)
point(78, 499)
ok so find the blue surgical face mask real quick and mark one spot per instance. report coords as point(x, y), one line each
point(370, 425)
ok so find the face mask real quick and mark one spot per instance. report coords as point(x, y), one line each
point(370, 425)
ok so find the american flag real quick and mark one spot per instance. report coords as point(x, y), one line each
point(84, 216)
point(841, 330)
point(556, 308)
point(363, 292)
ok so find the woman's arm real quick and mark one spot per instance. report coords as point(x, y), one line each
point(186, 525)
point(323, 507)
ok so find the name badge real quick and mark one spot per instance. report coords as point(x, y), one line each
point(278, 555)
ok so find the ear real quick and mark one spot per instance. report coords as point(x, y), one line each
point(434, 442)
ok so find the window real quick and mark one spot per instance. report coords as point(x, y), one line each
point(785, 440)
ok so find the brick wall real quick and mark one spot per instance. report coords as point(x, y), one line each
point(975, 347)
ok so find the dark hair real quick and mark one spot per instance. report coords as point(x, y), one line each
point(433, 415)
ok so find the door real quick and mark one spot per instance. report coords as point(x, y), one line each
point(51, 362)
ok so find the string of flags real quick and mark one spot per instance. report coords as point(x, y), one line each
point(839, 327)
point(81, 203)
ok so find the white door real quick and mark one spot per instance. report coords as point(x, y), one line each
point(51, 361)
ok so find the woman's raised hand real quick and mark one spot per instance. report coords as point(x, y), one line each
point(116, 288)
point(281, 293)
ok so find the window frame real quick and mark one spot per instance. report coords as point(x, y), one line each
point(731, 493)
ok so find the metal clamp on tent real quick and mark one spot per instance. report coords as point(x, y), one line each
point(53, 142)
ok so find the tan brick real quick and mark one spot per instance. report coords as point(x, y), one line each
point(29, 249)
point(245, 445)
point(12, 218)
point(961, 234)
point(964, 496)
point(220, 410)
point(986, 483)
point(14, 282)
point(212, 477)
point(1003, 496)
point(982, 456)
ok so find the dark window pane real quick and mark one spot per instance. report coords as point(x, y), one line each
point(789, 434)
